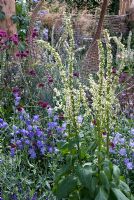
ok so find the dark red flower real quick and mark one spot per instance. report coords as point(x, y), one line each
point(13, 145)
point(114, 70)
point(94, 122)
point(61, 116)
point(112, 145)
point(76, 74)
point(40, 85)
point(32, 72)
point(104, 133)
point(20, 109)
point(43, 104)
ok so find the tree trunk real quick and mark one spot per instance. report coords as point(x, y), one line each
point(91, 60)
point(8, 7)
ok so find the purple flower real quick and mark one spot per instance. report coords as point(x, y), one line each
point(131, 144)
point(39, 144)
point(50, 149)
point(122, 140)
point(129, 165)
point(39, 133)
point(1, 120)
point(122, 152)
point(50, 111)
point(14, 197)
point(12, 152)
point(34, 196)
point(35, 118)
point(4, 125)
point(80, 119)
point(45, 34)
point(19, 144)
point(43, 12)
point(15, 128)
point(42, 150)
point(126, 160)
point(29, 128)
point(32, 153)
point(52, 125)
point(55, 118)
point(27, 142)
point(132, 131)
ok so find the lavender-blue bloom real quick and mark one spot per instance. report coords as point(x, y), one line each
point(27, 142)
point(29, 128)
point(52, 125)
point(122, 152)
point(36, 118)
point(50, 111)
point(12, 152)
point(39, 133)
point(1, 120)
point(80, 119)
point(32, 153)
point(50, 149)
point(131, 143)
point(34, 196)
point(14, 197)
point(130, 165)
point(45, 34)
point(55, 118)
point(19, 144)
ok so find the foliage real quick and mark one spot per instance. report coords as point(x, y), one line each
point(54, 142)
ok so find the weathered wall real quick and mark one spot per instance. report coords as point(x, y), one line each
point(8, 7)
point(124, 6)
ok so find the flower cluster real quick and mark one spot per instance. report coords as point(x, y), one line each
point(3, 124)
point(30, 137)
point(6, 40)
point(124, 147)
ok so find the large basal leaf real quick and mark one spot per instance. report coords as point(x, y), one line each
point(116, 172)
point(124, 187)
point(104, 180)
point(63, 171)
point(85, 176)
point(66, 187)
point(102, 195)
point(119, 195)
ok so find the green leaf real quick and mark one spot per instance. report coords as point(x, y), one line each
point(116, 173)
point(104, 180)
point(124, 187)
point(85, 176)
point(63, 171)
point(119, 195)
point(66, 187)
point(102, 195)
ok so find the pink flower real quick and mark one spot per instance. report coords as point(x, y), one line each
point(14, 39)
point(3, 34)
